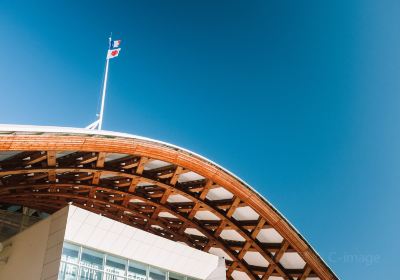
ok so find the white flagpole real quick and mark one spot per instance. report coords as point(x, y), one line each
point(103, 98)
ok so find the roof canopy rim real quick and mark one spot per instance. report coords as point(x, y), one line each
point(6, 129)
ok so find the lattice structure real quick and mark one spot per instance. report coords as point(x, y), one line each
point(159, 188)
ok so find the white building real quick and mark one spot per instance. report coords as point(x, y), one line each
point(74, 243)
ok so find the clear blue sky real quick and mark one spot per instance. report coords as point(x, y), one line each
point(299, 98)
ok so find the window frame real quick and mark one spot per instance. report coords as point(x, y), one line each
point(103, 271)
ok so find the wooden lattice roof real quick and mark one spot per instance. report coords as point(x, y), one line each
point(157, 187)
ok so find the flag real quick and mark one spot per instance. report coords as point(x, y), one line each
point(113, 53)
point(115, 44)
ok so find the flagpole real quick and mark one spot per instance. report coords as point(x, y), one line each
point(103, 98)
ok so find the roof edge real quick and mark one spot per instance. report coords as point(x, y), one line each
point(13, 128)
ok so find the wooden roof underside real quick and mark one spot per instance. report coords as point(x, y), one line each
point(159, 189)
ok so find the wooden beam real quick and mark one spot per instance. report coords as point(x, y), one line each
point(141, 164)
point(277, 257)
point(159, 207)
point(206, 189)
point(101, 157)
point(306, 273)
point(35, 158)
point(51, 162)
point(175, 176)
point(231, 268)
point(232, 209)
point(259, 227)
point(244, 250)
point(231, 223)
point(87, 158)
point(133, 184)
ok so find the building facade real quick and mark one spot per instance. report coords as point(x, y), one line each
point(74, 243)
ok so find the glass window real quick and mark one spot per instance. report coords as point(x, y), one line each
point(79, 263)
point(87, 273)
point(174, 276)
point(92, 259)
point(136, 271)
point(156, 274)
point(115, 265)
point(114, 277)
point(67, 271)
point(70, 253)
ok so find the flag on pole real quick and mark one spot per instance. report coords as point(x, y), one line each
point(113, 53)
point(115, 44)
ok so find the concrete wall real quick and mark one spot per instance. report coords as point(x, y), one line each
point(34, 253)
point(54, 245)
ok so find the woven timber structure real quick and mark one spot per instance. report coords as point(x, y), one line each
point(157, 187)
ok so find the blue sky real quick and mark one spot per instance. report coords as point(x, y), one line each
point(299, 98)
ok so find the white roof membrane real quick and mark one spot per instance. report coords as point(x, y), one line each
point(231, 234)
point(269, 235)
point(153, 164)
point(219, 193)
point(245, 213)
point(189, 176)
point(8, 154)
point(240, 275)
point(178, 198)
point(255, 258)
point(206, 215)
point(292, 260)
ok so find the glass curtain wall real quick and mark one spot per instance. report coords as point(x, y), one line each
point(80, 263)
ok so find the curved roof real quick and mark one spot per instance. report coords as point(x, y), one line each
point(158, 187)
